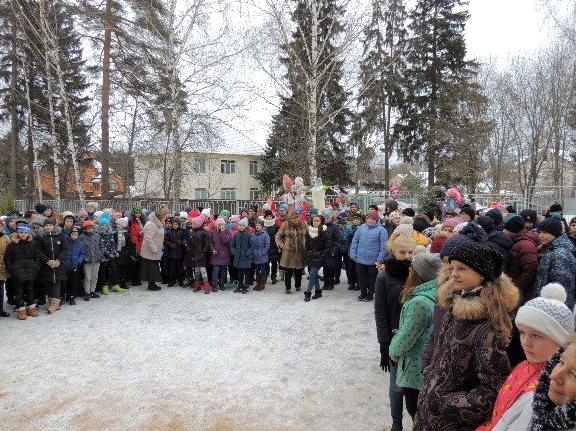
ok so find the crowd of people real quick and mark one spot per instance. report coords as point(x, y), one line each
point(473, 309)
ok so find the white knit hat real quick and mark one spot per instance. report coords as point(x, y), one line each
point(206, 212)
point(548, 313)
point(183, 215)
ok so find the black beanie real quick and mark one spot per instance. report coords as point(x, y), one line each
point(482, 259)
point(486, 222)
point(409, 212)
point(551, 225)
point(514, 223)
point(40, 208)
point(420, 224)
point(496, 216)
point(529, 215)
point(556, 208)
point(510, 209)
point(469, 211)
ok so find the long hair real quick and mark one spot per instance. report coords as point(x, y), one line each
point(499, 303)
point(412, 282)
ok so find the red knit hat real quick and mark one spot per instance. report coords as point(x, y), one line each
point(87, 224)
point(437, 244)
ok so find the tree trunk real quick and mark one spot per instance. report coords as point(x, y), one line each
point(313, 97)
point(105, 174)
point(13, 111)
point(32, 148)
point(129, 176)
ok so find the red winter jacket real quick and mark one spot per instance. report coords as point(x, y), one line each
point(136, 235)
point(524, 263)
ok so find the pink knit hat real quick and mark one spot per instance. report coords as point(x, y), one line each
point(235, 218)
point(198, 221)
point(451, 222)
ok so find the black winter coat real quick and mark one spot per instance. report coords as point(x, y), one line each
point(197, 247)
point(53, 245)
point(333, 234)
point(316, 250)
point(174, 243)
point(23, 260)
point(499, 241)
point(273, 252)
point(387, 307)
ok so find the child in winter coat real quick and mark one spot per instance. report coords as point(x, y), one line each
point(332, 258)
point(354, 221)
point(76, 252)
point(260, 247)
point(389, 284)
point(272, 228)
point(470, 362)
point(22, 260)
point(94, 255)
point(316, 249)
point(220, 241)
point(174, 249)
point(197, 250)
point(415, 327)
point(545, 324)
point(242, 251)
point(4, 242)
point(126, 252)
point(108, 273)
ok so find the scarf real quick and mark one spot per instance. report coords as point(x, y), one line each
point(269, 223)
point(547, 416)
point(121, 240)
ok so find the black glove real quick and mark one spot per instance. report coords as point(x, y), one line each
point(384, 357)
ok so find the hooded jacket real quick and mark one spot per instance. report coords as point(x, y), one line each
point(23, 259)
point(499, 241)
point(317, 247)
point(220, 242)
point(272, 229)
point(76, 252)
point(197, 247)
point(524, 263)
point(94, 247)
point(54, 247)
point(153, 239)
point(241, 248)
point(558, 265)
point(369, 244)
point(260, 246)
point(174, 243)
point(333, 234)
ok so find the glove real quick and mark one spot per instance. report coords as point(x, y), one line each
point(50, 263)
point(56, 263)
point(384, 357)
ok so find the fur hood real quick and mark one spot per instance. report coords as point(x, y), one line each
point(475, 305)
point(42, 233)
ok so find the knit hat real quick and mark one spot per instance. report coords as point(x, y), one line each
point(510, 209)
point(122, 222)
point(235, 218)
point(104, 219)
point(460, 226)
point(183, 215)
point(403, 229)
point(198, 221)
point(327, 212)
point(49, 221)
point(82, 213)
point(98, 214)
point(420, 224)
point(193, 214)
point(427, 265)
point(38, 219)
point(75, 229)
point(313, 211)
point(482, 259)
point(548, 313)
point(437, 244)
point(67, 214)
point(136, 209)
point(475, 232)
point(573, 221)
point(429, 232)
point(23, 228)
point(225, 213)
point(529, 215)
point(283, 207)
point(555, 208)
point(243, 222)
point(40, 208)
point(496, 216)
point(452, 244)
point(469, 211)
point(394, 214)
point(514, 223)
point(88, 224)
point(487, 223)
point(551, 225)
point(409, 212)
point(92, 204)
point(266, 206)
point(206, 212)
point(451, 222)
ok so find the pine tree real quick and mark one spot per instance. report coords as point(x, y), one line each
point(438, 75)
point(381, 73)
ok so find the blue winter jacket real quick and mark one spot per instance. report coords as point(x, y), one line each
point(369, 244)
point(241, 248)
point(558, 265)
point(75, 255)
point(260, 246)
point(347, 235)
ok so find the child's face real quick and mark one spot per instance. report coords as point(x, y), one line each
point(74, 236)
point(563, 378)
point(23, 236)
point(403, 250)
point(270, 217)
point(396, 220)
point(68, 223)
point(573, 229)
point(464, 277)
point(537, 346)
point(448, 231)
point(251, 213)
point(464, 217)
point(175, 226)
point(241, 227)
point(48, 228)
point(546, 238)
point(258, 227)
point(529, 225)
point(89, 229)
point(12, 224)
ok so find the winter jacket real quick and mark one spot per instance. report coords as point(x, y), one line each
point(76, 252)
point(272, 229)
point(174, 243)
point(260, 246)
point(524, 263)
point(347, 235)
point(387, 307)
point(333, 235)
point(290, 242)
point(409, 343)
point(558, 265)
point(469, 363)
point(437, 317)
point(108, 243)
point(499, 241)
point(94, 247)
point(197, 247)
point(53, 246)
point(220, 243)
point(136, 234)
point(317, 247)
point(523, 379)
point(23, 259)
point(242, 250)
point(4, 242)
point(153, 239)
point(369, 244)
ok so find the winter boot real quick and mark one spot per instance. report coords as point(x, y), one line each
point(215, 286)
point(117, 289)
point(207, 288)
point(317, 294)
point(105, 290)
point(32, 311)
point(245, 289)
point(171, 283)
point(41, 300)
point(72, 301)
point(181, 283)
point(21, 313)
point(86, 297)
point(351, 286)
point(396, 426)
point(238, 288)
point(288, 286)
point(259, 282)
point(307, 296)
point(53, 305)
point(197, 285)
point(273, 280)
point(94, 295)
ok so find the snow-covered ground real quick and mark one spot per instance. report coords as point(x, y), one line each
point(177, 360)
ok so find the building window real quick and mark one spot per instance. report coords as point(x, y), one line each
point(228, 194)
point(253, 168)
point(228, 166)
point(200, 194)
point(200, 166)
point(254, 194)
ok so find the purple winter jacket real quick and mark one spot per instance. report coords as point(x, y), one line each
point(220, 242)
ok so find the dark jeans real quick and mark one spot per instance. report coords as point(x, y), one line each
point(313, 280)
point(272, 268)
point(175, 270)
point(108, 273)
point(243, 276)
point(260, 268)
point(53, 288)
point(70, 286)
point(329, 273)
point(23, 290)
point(397, 395)
point(366, 278)
point(338, 267)
point(350, 267)
point(218, 274)
point(233, 273)
point(411, 397)
point(288, 272)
